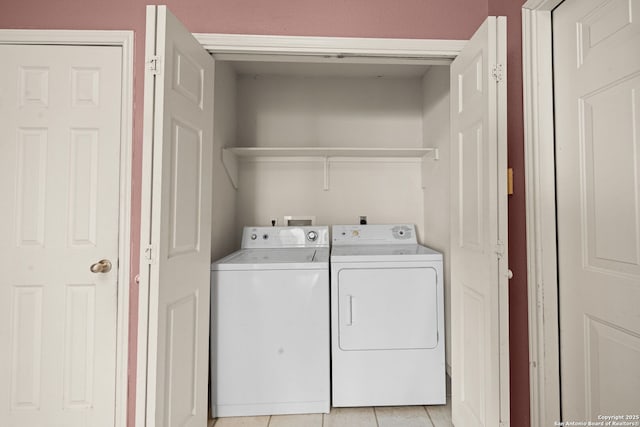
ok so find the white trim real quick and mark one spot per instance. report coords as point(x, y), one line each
point(148, 103)
point(330, 46)
point(123, 39)
point(544, 356)
point(126, 147)
point(70, 37)
point(503, 228)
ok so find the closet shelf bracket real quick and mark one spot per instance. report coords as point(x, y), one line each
point(230, 163)
point(433, 154)
point(326, 174)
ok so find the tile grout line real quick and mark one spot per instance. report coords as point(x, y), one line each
point(429, 416)
point(375, 415)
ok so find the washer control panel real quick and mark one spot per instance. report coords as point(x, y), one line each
point(285, 237)
point(374, 234)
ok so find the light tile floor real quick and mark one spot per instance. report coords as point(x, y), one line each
point(385, 416)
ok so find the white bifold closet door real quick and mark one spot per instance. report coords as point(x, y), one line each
point(596, 46)
point(479, 281)
point(176, 226)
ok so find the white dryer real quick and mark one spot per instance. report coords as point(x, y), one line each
point(270, 345)
point(387, 318)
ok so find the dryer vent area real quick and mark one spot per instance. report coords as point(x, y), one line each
point(331, 140)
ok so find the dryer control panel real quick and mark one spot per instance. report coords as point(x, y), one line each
point(374, 234)
point(285, 237)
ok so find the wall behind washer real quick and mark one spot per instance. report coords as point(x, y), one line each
point(337, 110)
point(387, 192)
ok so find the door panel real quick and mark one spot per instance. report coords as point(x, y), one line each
point(26, 346)
point(176, 213)
point(473, 368)
point(471, 179)
point(384, 309)
point(480, 360)
point(186, 176)
point(267, 358)
point(597, 115)
point(59, 196)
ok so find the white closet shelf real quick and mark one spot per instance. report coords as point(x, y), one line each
point(230, 155)
point(331, 152)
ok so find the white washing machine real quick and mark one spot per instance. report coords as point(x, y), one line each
point(270, 345)
point(387, 318)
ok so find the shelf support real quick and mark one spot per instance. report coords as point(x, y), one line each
point(433, 154)
point(326, 174)
point(230, 163)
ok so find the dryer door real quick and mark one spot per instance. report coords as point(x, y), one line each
point(387, 308)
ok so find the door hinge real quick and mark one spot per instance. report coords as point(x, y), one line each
point(148, 254)
point(499, 249)
point(154, 65)
point(509, 181)
point(497, 72)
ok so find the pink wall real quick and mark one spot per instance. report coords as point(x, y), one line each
point(435, 19)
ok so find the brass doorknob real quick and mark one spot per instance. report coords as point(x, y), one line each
point(102, 266)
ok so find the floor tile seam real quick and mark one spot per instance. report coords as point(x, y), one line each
point(375, 415)
point(433, 424)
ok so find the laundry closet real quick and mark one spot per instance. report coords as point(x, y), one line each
point(329, 129)
point(333, 140)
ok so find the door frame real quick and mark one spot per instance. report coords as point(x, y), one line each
point(124, 40)
point(542, 267)
point(231, 46)
point(228, 46)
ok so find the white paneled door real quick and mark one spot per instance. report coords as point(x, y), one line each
point(60, 113)
point(480, 359)
point(597, 104)
point(176, 225)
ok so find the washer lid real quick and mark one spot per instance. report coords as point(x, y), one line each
point(377, 253)
point(262, 259)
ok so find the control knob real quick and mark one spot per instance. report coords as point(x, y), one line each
point(312, 236)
